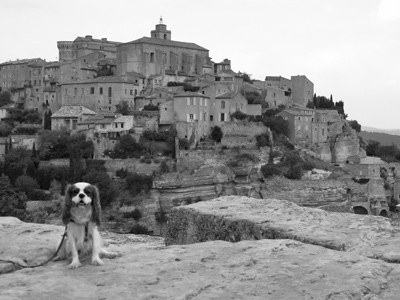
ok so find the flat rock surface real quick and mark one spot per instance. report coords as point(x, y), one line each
point(234, 218)
point(266, 269)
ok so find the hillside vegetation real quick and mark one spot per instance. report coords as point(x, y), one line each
point(382, 138)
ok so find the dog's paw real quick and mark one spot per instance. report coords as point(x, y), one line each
point(97, 262)
point(111, 255)
point(57, 258)
point(74, 265)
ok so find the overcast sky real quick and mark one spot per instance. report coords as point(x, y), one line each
point(347, 48)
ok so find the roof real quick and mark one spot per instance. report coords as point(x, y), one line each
point(122, 119)
point(72, 111)
point(101, 118)
point(297, 111)
point(190, 94)
point(169, 43)
point(105, 79)
point(90, 38)
point(227, 95)
point(21, 61)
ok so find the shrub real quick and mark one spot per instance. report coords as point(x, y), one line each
point(105, 185)
point(184, 144)
point(164, 167)
point(263, 140)
point(150, 107)
point(27, 185)
point(269, 170)
point(111, 218)
point(216, 134)
point(135, 214)
point(122, 173)
point(161, 216)
point(137, 182)
point(139, 229)
point(277, 125)
point(238, 115)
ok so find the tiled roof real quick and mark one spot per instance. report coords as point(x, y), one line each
point(105, 79)
point(72, 111)
point(190, 94)
point(169, 43)
point(122, 119)
point(21, 61)
point(134, 74)
point(227, 95)
point(80, 38)
point(100, 118)
point(297, 111)
point(228, 71)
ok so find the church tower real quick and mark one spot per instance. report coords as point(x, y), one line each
point(161, 31)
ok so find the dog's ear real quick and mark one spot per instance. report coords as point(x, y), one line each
point(66, 208)
point(96, 214)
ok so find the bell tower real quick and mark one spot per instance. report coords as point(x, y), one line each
point(161, 31)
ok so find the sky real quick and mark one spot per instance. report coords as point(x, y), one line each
point(349, 49)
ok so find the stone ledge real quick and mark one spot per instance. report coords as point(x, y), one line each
point(234, 218)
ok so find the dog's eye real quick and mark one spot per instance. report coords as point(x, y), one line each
point(75, 192)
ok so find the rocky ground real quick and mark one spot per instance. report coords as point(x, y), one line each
point(228, 248)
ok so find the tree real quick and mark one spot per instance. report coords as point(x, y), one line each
point(105, 185)
point(5, 98)
point(216, 134)
point(371, 147)
point(27, 185)
point(277, 125)
point(246, 77)
point(15, 162)
point(47, 120)
point(5, 129)
point(53, 144)
point(12, 203)
point(151, 107)
point(105, 70)
point(126, 147)
point(355, 125)
point(123, 108)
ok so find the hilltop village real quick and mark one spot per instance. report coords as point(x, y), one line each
point(105, 90)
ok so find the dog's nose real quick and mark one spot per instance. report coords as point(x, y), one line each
point(81, 196)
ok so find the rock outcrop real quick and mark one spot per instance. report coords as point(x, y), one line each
point(295, 258)
point(281, 251)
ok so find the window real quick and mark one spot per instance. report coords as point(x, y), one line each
point(191, 116)
point(109, 101)
point(122, 125)
point(222, 116)
point(131, 92)
point(92, 90)
point(211, 118)
point(151, 57)
point(101, 91)
point(109, 92)
point(222, 105)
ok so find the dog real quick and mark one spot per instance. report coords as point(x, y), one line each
point(81, 214)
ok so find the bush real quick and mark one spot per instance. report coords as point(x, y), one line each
point(184, 144)
point(164, 167)
point(278, 125)
point(137, 182)
point(135, 214)
point(238, 115)
point(27, 185)
point(216, 134)
point(122, 173)
point(269, 170)
point(263, 140)
point(105, 185)
point(139, 229)
point(161, 216)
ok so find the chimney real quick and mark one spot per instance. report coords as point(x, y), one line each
point(88, 37)
point(104, 39)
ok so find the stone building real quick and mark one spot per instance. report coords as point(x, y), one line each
point(100, 94)
point(302, 90)
point(18, 73)
point(82, 46)
point(301, 125)
point(158, 53)
point(192, 115)
point(69, 116)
